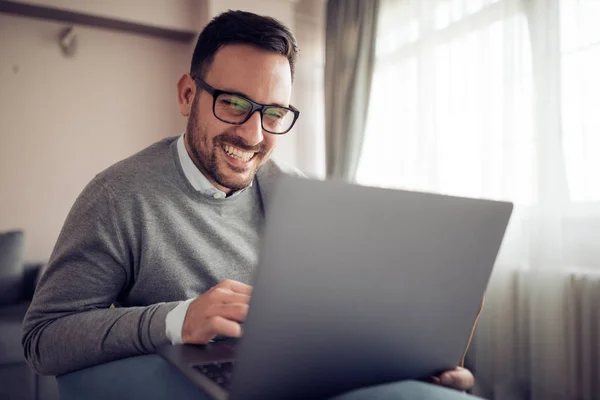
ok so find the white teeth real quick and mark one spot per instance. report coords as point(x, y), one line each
point(237, 153)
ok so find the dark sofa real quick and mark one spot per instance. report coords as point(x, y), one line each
point(17, 284)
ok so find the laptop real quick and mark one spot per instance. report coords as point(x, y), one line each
point(356, 286)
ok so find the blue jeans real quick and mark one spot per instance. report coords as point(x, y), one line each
point(152, 378)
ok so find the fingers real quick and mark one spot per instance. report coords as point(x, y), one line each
point(219, 311)
point(236, 286)
point(224, 295)
point(212, 327)
point(458, 378)
point(230, 291)
point(222, 326)
point(202, 325)
point(232, 311)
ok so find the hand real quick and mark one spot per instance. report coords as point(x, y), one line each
point(459, 378)
point(219, 311)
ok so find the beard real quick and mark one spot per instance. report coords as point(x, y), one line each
point(205, 154)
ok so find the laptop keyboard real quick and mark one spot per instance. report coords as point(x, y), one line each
point(218, 372)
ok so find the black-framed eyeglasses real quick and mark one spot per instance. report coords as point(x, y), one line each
point(236, 109)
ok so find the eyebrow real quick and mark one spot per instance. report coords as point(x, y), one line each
point(250, 98)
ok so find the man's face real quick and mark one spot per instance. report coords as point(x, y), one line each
point(229, 155)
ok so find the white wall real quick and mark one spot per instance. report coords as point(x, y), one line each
point(63, 120)
point(283, 10)
point(308, 87)
point(174, 14)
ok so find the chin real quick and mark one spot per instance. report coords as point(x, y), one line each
point(235, 181)
point(236, 178)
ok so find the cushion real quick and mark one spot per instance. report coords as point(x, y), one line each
point(11, 318)
point(17, 382)
point(11, 266)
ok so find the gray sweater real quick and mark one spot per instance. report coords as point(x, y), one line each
point(141, 238)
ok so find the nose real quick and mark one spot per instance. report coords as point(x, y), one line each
point(251, 131)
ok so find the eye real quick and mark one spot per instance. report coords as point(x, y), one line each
point(236, 103)
point(275, 113)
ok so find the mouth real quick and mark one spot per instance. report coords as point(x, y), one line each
point(237, 156)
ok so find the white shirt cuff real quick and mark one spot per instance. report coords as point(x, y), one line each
point(174, 321)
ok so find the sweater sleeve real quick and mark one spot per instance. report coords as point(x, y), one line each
point(70, 323)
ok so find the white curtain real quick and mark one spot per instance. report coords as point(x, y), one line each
point(501, 99)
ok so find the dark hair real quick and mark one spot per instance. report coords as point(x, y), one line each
point(241, 27)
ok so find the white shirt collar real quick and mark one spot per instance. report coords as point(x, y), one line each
point(197, 178)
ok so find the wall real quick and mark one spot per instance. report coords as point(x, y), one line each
point(174, 14)
point(309, 21)
point(62, 120)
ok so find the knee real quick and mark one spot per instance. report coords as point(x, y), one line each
point(404, 390)
point(147, 377)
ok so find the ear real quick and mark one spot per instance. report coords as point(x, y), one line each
point(186, 90)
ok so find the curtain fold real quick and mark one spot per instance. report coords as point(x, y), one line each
point(349, 58)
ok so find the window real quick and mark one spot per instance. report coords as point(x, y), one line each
point(461, 105)
point(580, 97)
point(451, 101)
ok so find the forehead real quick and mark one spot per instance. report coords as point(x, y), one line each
point(262, 75)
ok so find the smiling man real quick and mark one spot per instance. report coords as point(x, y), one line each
point(161, 247)
point(255, 86)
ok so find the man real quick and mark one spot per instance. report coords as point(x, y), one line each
point(161, 246)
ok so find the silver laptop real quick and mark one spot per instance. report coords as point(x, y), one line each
point(356, 286)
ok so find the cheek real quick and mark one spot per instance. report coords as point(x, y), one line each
point(214, 129)
point(270, 141)
point(209, 127)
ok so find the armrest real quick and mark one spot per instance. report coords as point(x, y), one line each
point(31, 272)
